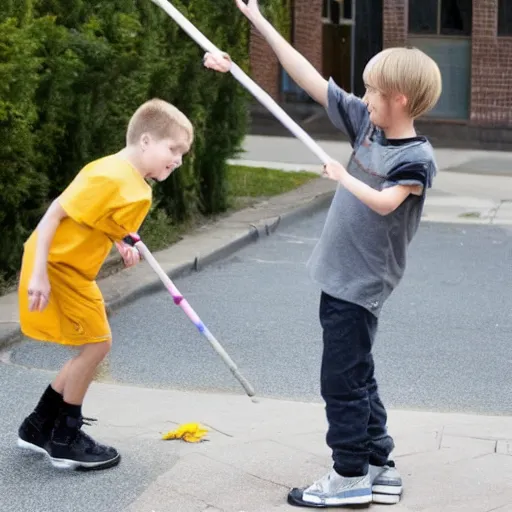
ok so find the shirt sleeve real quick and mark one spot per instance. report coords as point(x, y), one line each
point(88, 197)
point(97, 201)
point(410, 173)
point(346, 111)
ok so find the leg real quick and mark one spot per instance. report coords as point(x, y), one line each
point(386, 481)
point(67, 389)
point(60, 381)
point(381, 443)
point(70, 448)
point(346, 368)
point(35, 432)
point(79, 374)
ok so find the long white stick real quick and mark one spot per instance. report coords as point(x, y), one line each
point(264, 98)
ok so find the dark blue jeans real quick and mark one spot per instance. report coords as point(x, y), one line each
point(357, 433)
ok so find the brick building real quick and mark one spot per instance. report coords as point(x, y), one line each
point(471, 40)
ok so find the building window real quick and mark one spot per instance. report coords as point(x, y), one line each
point(441, 17)
point(337, 12)
point(505, 18)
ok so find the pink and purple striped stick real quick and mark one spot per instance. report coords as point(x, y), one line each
point(135, 241)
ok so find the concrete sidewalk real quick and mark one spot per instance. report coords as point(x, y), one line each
point(255, 453)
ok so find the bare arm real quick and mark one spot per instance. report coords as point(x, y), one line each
point(302, 71)
point(45, 232)
point(383, 202)
point(39, 285)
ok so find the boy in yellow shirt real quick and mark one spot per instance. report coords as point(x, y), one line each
point(59, 300)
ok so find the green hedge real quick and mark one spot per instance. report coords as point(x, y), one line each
point(71, 74)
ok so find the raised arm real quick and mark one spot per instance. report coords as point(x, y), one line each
point(296, 65)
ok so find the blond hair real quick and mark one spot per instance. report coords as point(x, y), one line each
point(161, 120)
point(407, 71)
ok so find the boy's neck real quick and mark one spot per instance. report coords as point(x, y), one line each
point(401, 130)
point(128, 154)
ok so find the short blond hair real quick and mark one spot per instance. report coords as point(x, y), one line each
point(407, 71)
point(161, 120)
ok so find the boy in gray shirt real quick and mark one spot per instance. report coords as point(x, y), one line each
point(361, 255)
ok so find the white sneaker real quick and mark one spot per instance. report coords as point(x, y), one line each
point(333, 490)
point(386, 484)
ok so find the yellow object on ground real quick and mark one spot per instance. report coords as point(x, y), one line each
point(190, 432)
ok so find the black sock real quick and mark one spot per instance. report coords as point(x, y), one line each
point(68, 422)
point(49, 405)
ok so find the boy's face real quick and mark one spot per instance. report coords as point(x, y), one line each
point(378, 107)
point(161, 157)
point(384, 109)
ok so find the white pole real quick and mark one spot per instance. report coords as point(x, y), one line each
point(264, 98)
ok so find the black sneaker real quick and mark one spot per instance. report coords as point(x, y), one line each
point(34, 434)
point(80, 452)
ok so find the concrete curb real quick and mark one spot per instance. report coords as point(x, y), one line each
point(321, 202)
point(253, 235)
point(9, 337)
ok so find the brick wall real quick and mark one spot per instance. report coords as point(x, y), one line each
point(307, 39)
point(491, 93)
point(394, 23)
point(308, 30)
point(264, 65)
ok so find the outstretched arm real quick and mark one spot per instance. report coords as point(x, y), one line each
point(296, 65)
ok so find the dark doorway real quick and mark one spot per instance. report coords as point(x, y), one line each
point(367, 38)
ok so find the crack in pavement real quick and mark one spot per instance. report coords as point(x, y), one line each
point(234, 466)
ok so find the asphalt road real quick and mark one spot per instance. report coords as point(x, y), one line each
point(444, 340)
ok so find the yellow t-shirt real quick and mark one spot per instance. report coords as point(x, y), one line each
point(107, 200)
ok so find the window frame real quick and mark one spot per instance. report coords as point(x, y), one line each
point(326, 7)
point(438, 33)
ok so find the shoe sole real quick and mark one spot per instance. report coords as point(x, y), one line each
point(67, 463)
point(84, 466)
point(295, 498)
point(386, 494)
point(25, 445)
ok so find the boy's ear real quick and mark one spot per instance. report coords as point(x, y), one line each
point(145, 139)
point(402, 100)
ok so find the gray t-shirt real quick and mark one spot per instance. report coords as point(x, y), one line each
point(361, 255)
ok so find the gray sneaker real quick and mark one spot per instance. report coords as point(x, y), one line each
point(386, 484)
point(333, 490)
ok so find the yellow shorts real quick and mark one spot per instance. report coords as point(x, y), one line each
point(75, 314)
